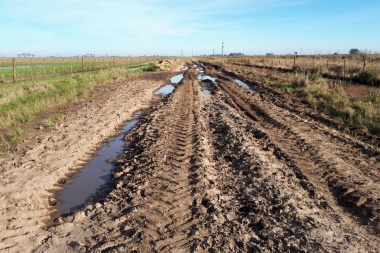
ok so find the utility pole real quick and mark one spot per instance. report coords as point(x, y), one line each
point(222, 49)
point(213, 53)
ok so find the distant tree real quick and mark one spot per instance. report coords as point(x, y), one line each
point(295, 53)
point(354, 51)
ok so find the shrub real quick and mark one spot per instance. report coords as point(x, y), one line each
point(151, 67)
point(369, 76)
point(373, 97)
point(314, 74)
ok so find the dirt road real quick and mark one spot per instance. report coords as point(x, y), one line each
point(239, 170)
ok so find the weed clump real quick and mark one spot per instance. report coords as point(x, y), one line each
point(370, 76)
point(151, 68)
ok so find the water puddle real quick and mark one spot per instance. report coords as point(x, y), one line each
point(185, 68)
point(244, 85)
point(206, 91)
point(96, 173)
point(200, 70)
point(208, 78)
point(167, 89)
point(136, 68)
point(176, 79)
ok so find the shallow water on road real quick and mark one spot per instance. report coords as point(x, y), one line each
point(167, 89)
point(96, 173)
point(245, 85)
point(176, 79)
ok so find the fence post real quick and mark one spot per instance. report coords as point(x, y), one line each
point(82, 65)
point(43, 63)
point(14, 69)
point(344, 69)
point(31, 69)
point(365, 63)
point(294, 61)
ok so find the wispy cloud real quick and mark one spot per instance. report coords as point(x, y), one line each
point(122, 23)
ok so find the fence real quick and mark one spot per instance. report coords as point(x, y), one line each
point(26, 69)
point(360, 68)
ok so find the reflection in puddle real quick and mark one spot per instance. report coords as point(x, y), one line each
point(167, 89)
point(136, 68)
point(209, 78)
point(206, 91)
point(200, 70)
point(96, 173)
point(244, 85)
point(185, 68)
point(176, 79)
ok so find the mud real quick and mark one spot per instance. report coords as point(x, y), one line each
point(230, 171)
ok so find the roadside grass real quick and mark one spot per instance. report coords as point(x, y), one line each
point(331, 100)
point(8, 142)
point(334, 102)
point(52, 122)
point(20, 102)
point(151, 67)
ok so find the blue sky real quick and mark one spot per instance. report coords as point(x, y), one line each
point(165, 27)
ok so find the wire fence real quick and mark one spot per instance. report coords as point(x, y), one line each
point(25, 69)
point(359, 68)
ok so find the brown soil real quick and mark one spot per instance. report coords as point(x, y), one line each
point(234, 171)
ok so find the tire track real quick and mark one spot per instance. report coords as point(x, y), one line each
point(320, 157)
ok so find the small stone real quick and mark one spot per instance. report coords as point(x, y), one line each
point(53, 202)
point(98, 205)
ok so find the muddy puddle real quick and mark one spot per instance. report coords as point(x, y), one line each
point(136, 68)
point(202, 79)
point(167, 89)
point(244, 85)
point(206, 91)
point(96, 173)
point(208, 78)
point(176, 79)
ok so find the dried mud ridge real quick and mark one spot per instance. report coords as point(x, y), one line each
point(231, 172)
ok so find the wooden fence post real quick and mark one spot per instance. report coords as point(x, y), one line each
point(31, 69)
point(82, 65)
point(344, 68)
point(43, 63)
point(14, 69)
point(365, 63)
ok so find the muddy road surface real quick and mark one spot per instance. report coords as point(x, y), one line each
point(234, 169)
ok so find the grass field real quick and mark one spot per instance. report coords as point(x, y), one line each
point(20, 101)
point(37, 68)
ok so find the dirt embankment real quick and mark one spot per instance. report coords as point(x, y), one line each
point(231, 172)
